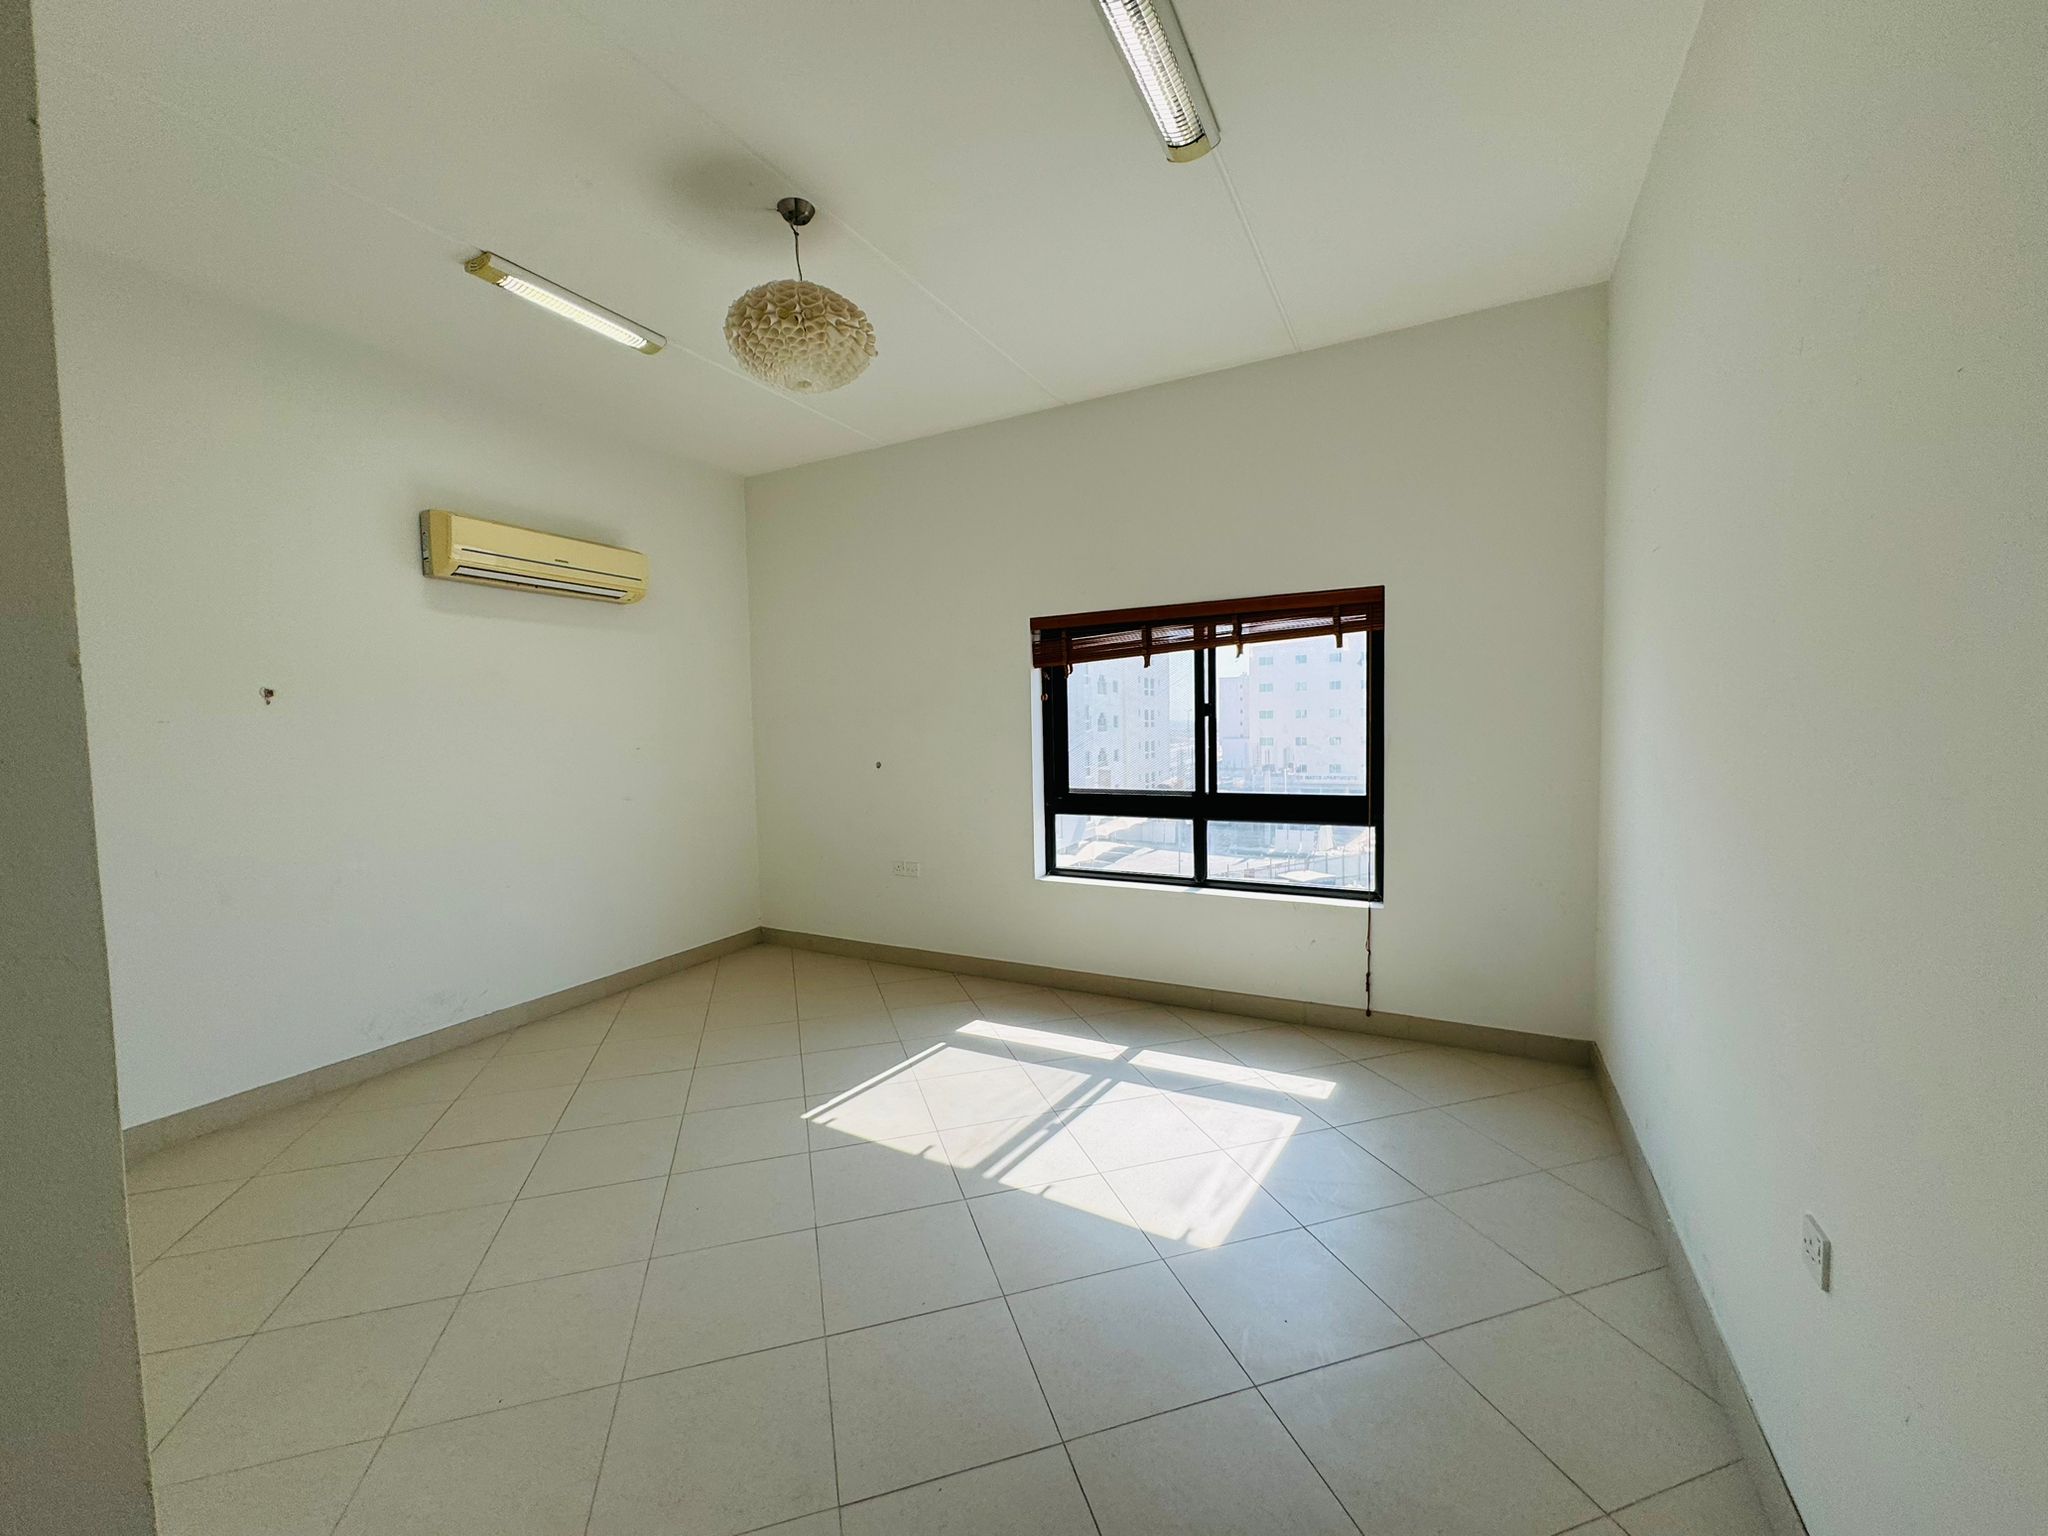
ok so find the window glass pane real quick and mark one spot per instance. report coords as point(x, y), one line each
point(1124, 845)
point(1249, 762)
point(1293, 857)
point(1130, 726)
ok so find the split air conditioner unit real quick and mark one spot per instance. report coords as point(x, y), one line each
point(458, 548)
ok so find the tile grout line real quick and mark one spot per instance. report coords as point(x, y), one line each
point(427, 1359)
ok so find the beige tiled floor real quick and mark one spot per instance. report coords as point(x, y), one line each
point(794, 1242)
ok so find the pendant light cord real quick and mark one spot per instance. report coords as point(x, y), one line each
point(796, 239)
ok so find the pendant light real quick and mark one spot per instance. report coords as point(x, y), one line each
point(797, 335)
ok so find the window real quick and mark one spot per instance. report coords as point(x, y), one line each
point(1209, 803)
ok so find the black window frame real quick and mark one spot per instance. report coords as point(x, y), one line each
point(1205, 804)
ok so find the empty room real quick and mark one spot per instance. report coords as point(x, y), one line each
point(1095, 768)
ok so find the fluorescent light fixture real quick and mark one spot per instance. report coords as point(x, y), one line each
point(1148, 35)
point(556, 299)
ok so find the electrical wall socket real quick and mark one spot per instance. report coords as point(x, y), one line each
point(909, 869)
point(1819, 1253)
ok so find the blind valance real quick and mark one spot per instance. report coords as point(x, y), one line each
point(1068, 639)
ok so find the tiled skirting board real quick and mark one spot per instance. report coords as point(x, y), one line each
point(1478, 1037)
point(154, 1135)
point(1771, 1491)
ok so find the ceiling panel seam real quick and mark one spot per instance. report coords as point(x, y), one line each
point(1258, 253)
point(661, 77)
point(64, 56)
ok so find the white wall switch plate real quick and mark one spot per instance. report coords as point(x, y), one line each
point(1819, 1253)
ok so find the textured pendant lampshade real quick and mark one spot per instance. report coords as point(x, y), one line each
point(797, 335)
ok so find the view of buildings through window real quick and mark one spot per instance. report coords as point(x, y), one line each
point(1291, 718)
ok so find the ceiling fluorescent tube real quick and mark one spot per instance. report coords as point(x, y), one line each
point(1148, 35)
point(556, 299)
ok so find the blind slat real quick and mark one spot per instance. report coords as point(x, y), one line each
point(1068, 639)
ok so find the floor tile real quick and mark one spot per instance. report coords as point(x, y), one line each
point(1062, 1231)
point(391, 1264)
point(526, 1471)
point(1722, 1503)
point(1123, 1135)
point(490, 1173)
point(769, 1006)
point(885, 1267)
point(498, 1117)
point(651, 1096)
point(1357, 1044)
point(1531, 1072)
point(1434, 1270)
point(1215, 1025)
point(759, 1439)
point(1568, 1238)
point(436, 1080)
point(583, 1027)
point(829, 1002)
point(1539, 1128)
point(522, 1072)
point(158, 1218)
point(640, 1056)
point(173, 1379)
point(1135, 1026)
point(1436, 1152)
point(357, 1136)
point(877, 1177)
point(521, 1343)
point(1646, 1310)
point(658, 1020)
point(1282, 1304)
point(604, 1154)
point(1238, 1116)
point(975, 1098)
point(1410, 1447)
point(1287, 1050)
point(1030, 1495)
point(747, 1082)
point(218, 1294)
point(745, 1133)
point(1610, 1181)
point(884, 970)
point(847, 1067)
point(275, 1205)
point(300, 1497)
point(1323, 1175)
point(585, 1229)
point(815, 968)
point(1029, 1154)
point(303, 1389)
point(931, 1395)
point(1197, 1202)
point(235, 1153)
point(899, 995)
point(891, 1108)
point(734, 1203)
point(754, 1042)
point(1114, 1347)
point(842, 1031)
point(1436, 1075)
point(927, 1019)
point(1618, 1423)
point(1216, 1469)
point(718, 1302)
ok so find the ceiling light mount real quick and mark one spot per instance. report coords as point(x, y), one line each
point(556, 299)
point(1155, 50)
point(799, 336)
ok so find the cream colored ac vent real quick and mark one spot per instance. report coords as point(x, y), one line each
point(458, 548)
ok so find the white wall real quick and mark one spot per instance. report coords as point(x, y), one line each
point(1825, 893)
point(461, 798)
point(1460, 464)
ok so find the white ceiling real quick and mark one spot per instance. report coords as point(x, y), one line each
point(989, 188)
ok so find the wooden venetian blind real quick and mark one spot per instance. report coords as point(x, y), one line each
point(1068, 639)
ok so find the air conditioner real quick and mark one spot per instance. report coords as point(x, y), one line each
point(458, 548)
